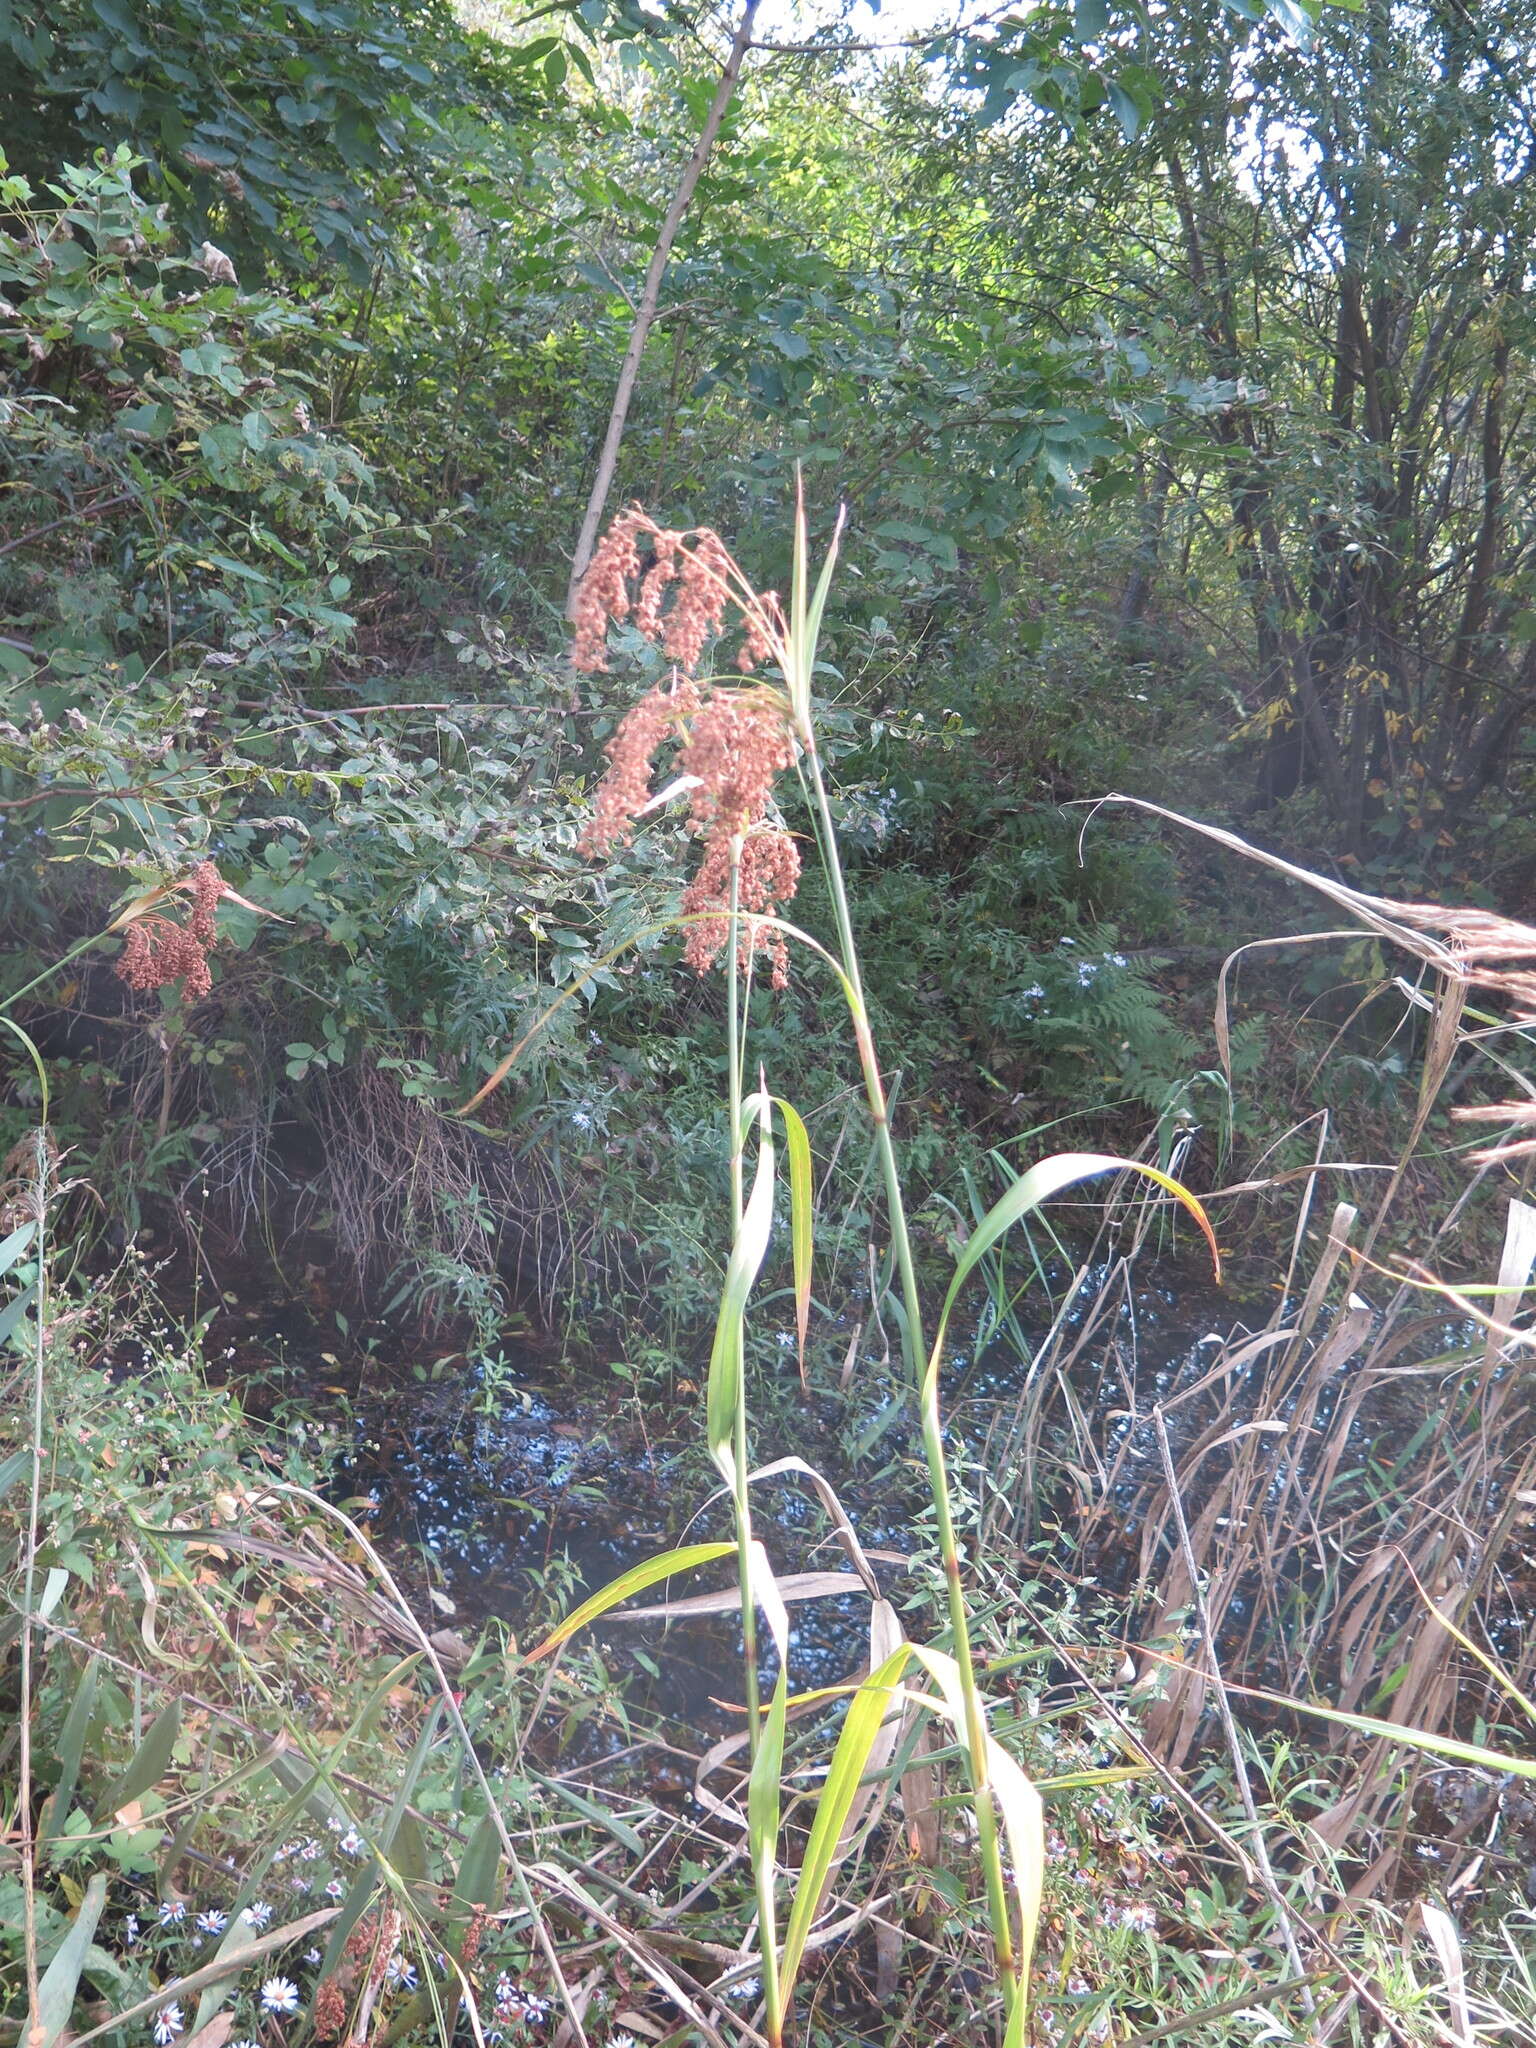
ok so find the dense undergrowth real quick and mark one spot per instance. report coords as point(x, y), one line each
point(304, 360)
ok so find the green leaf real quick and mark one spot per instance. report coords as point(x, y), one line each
point(56, 1993)
point(635, 1580)
point(1395, 1731)
point(723, 1389)
point(1125, 111)
point(71, 1749)
point(12, 1313)
point(475, 1881)
point(1023, 1823)
point(790, 343)
point(1049, 1177)
point(868, 1709)
point(594, 1811)
point(801, 1219)
point(12, 1247)
point(1090, 19)
point(148, 1765)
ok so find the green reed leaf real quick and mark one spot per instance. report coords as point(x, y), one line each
point(148, 1764)
point(12, 1247)
point(1397, 1731)
point(1023, 1821)
point(61, 1980)
point(635, 1580)
point(723, 1389)
point(797, 1146)
point(861, 1726)
point(1047, 1178)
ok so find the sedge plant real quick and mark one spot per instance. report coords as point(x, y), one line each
point(683, 591)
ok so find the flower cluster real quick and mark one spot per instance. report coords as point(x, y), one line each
point(511, 2003)
point(731, 744)
point(158, 950)
point(769, 875)
point(678, 599)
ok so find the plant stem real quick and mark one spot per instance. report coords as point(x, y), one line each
point(26, 1826)
point(763, 1854)
point(925, 1377)
point(80, 946)
point(740, 1492)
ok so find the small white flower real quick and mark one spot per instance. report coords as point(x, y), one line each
point(400, 1972)
point(257, 1915)
point(313, 1957)
point(278, 1995)
point(172, 1912)
point(335, 1823)
point(1140, 1918)
point(621, 2041)
point(748, 1987)
point(168, 2024)
point(245, 2044)
point(131, 1929)
point(351, 1843)
point(535, 2010)
point(212, 1922)
point(309, 1850)
point(335, 1888)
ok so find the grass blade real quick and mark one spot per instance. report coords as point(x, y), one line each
point(71, 1749)
point(1023, 1824)
point(1398, 1731)
point(1049, 1177)
point(763, 1782)
point(12, 1247)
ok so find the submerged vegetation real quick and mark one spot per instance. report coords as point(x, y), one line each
point(767, 1025)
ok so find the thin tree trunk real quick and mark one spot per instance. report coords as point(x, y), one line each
point(645, 312)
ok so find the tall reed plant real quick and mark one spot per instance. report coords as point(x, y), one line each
point(732, 741)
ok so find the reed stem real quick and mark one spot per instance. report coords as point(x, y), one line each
point(925, 1377)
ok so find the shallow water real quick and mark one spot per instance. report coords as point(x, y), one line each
point(519, 1512)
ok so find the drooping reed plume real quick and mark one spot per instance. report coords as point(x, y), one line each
point(681, 591)
point(157, 950)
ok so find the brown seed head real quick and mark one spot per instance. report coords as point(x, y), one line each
point(738, 742)
point(626, 789)
point(157, 950)
point(732, 744)
point(687, 588)
point(769, 876)
point(329, 2015)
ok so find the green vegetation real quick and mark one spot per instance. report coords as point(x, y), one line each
point(1118, 401)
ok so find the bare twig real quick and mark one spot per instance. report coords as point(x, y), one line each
point(645, 312)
